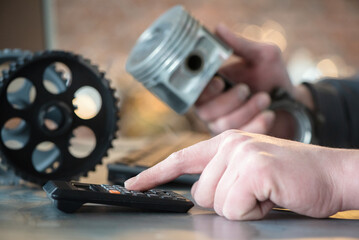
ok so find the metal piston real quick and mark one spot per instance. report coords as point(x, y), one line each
point(176, 57)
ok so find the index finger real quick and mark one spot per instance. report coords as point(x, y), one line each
point(189, 160)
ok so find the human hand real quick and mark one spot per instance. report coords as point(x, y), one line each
point(258, 70)
point(244, 175)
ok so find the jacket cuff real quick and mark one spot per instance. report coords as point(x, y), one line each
point(333, 129)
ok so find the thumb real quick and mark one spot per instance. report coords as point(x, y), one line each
point(242, 47)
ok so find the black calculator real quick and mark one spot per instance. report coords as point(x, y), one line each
point(70, 196)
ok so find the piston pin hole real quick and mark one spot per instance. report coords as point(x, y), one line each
point(194, 62)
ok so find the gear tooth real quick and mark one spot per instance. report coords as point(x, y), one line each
point(24, 59)
point(5, 51)
point(12, 66)
point(61, 73)
point(16, 50)
point(5, 73)
point(93, 169)
point(76, 178)
point(113, 91)
point(38, 53)
point(20, 61)
point(95, 67)
point(80, 58)
point(53, 68)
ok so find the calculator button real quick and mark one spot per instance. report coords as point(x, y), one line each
point(136, 192)
point(114, 191)
point(165, 197)
point(96, 188)
point(151, 191)
point(139, 194)
point(152, 195)
point(122, 190)
point(180, 199)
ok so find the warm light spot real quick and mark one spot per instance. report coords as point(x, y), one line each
point(275, 37)
point(270, 31)
point(326, 238)
point(86, 106)
point(270, 24)
point(351, 214)
point(328, 68)
point(87, 102)
point(266, 154)
point(253, 32)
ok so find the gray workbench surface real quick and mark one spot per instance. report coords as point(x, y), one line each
point(26, 213)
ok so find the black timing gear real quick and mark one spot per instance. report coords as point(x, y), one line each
point(35, 111)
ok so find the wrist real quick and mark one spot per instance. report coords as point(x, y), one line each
point(348, 179)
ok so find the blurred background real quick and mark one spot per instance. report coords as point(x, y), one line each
point(318, 38)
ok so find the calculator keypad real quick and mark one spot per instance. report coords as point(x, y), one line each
point(153, 193)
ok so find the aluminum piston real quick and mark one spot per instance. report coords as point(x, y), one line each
point(176, 57)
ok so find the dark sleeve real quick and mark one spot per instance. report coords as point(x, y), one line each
point(337, 101)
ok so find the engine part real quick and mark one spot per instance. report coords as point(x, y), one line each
point(306, 121)
point(61, 116)
point(176, 57)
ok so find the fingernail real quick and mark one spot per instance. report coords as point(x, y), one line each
point(218, 125)
point(216, 85)
point(269, 115)
point(263, 101)
point(243, 92)
point(129, 182)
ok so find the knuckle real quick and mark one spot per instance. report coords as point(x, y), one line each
point(202, 200)
point(230, 214)
point(234, 138)
point(230, 134)
point(230, 137)
point(250, 147)
point(262, 171)
point(261, 164)
point(270, 52)
point(179, 159)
